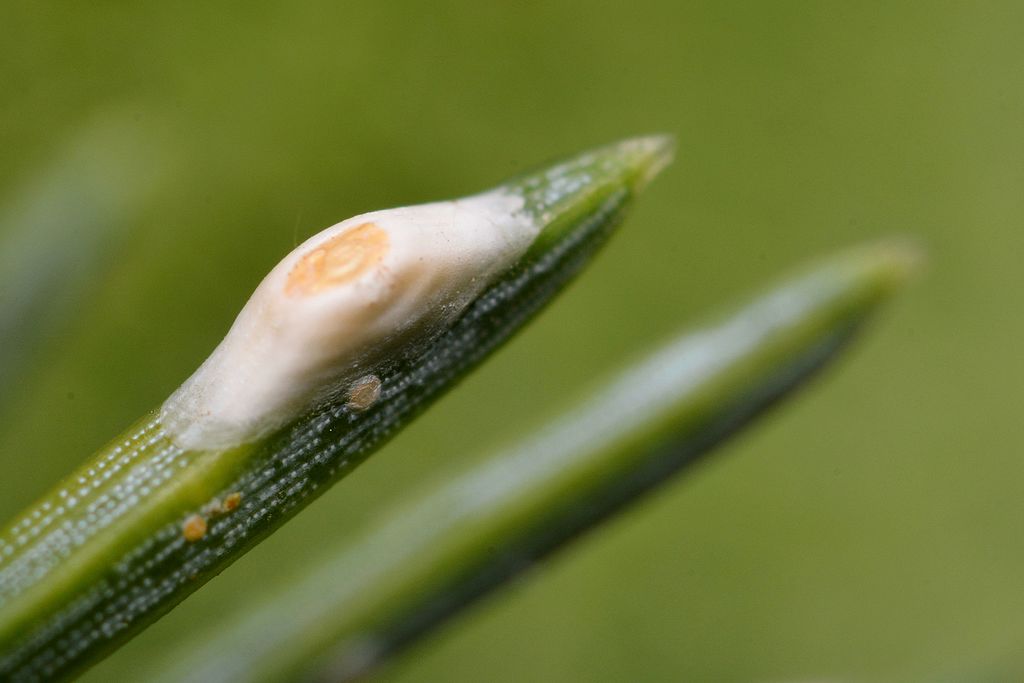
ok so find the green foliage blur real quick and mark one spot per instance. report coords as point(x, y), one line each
point(870, 531)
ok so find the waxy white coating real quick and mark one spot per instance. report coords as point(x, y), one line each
point(358, 292)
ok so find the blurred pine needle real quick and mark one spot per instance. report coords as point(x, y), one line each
point(432, 557)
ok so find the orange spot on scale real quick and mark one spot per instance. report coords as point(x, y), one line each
point(340, 259)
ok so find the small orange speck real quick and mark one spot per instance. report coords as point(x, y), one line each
point(364, 393)
point(232, 501)
point(194, 528)
point(339, 260)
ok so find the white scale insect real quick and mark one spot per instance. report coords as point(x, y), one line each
point(342, 301)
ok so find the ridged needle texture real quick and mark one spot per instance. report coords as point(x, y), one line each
point(118, 543)
point(437, 554)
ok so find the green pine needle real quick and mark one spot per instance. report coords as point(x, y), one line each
point(146, 521)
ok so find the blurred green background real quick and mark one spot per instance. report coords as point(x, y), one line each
point(869, 531)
